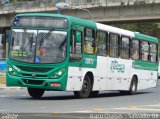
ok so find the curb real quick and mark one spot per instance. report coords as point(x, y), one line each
point(4, 87)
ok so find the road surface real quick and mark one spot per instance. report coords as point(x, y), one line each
point(18, 101)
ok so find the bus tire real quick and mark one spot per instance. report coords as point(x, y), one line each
point(35, 92)
point(133, 86)
point(123, 92)
point(94, 93)
point(86, 88)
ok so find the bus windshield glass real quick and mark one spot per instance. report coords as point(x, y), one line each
point(38, 46)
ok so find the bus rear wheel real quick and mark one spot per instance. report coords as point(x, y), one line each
point(86, 89)
point(94, 93)
point(133, 86)
point(35, 92)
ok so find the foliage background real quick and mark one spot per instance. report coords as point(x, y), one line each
point(145, 28)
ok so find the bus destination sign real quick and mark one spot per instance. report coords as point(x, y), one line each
point(40, 22)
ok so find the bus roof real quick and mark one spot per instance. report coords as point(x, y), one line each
point(115, 30)
point(126, 33)
point(92, 24)
point(146, 37)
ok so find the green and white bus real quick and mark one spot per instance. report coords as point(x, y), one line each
point(52, 52)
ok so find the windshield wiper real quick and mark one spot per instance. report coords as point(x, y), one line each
point(45, 36)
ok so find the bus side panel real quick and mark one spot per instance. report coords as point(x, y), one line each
point(100, 76)
point(76, 76)
point(147, 77)
point(153, 74)
point(74, 82)
point(142, 78)
point(118, 74)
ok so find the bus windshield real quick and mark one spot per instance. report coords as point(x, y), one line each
point(38, 46)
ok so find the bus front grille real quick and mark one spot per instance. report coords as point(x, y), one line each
point(35, 82)
point(36, 76)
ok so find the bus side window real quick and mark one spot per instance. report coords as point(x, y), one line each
point(144, 51)
point(89, 41)
point(76, 42)
point(135, 49)
point(113, 45)
point(125, 47)
point(72, 41)
point(101, 43)
point(153, 52)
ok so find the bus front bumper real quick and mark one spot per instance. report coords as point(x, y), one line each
point(46, 84)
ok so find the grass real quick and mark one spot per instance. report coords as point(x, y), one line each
point(2, 77)
point(2, 80)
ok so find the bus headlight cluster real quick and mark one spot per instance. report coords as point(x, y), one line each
point(11, 71)
point(59, 73)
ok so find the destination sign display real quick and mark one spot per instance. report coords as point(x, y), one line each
point(40, 22)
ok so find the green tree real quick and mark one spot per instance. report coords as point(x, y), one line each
point(139, 27)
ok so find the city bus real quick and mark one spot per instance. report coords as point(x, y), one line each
point(53, 52)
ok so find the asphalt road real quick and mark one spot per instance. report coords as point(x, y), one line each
point(56, 103)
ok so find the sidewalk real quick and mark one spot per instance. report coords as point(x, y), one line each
point(4, 87)
point(2, 80)
point(3, 83)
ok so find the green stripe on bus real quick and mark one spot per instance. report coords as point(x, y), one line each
point(145, 37)
point(145, 65)
point(88, 61)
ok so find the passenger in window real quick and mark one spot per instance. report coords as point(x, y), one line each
point(89, 47)
point(145, 56)
point(43, 51)
point(153, 58)
point(135, 54)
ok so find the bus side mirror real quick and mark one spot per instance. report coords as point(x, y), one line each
point(2, 39)
point(9, 35)
point(78, 37)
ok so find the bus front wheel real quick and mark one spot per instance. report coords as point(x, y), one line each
point(35, 92)
point(86, 89)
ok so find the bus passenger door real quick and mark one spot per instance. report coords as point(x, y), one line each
point(74, 72)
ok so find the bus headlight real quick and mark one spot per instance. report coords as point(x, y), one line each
point(11, 71)
point(59, 73)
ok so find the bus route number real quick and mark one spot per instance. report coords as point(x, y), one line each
point(89, 61)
